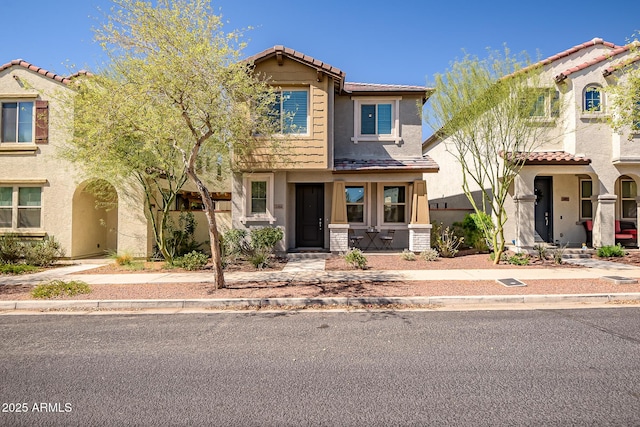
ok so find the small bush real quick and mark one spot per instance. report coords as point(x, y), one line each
point(518, 259)
point(473, 227)
point(123, 259)
point(43, 253)
point(233, 244)
point(541, 252)
point(11, 249)
point(260, 258)
point(429, 255)
point(558, 254)
point(407, 255)
point(17, 269)
point(192, 261)
point(611, 251)
point(446, 241)
point(266, 237)
point(356, 258)
point(57, 288)
point(503, 258)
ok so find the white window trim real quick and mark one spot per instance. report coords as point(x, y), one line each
point(622, 199)
point(395, 129)
point(15, 145)
point(296, 88)
point(247, 216)
point(407, 203)
point(15, 185)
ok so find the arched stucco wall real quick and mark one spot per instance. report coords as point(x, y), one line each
point(94, 228)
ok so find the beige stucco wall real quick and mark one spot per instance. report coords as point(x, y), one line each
point(41, 163)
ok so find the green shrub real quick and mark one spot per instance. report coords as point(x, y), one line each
point(446, 241)
point(518, 259)
point(407, 255)
point(11, 249)
point(356, 258)
point(260, 258)
point(473, 227)
point(233, 244)
point(57, 288)
point(558, 254)
point(123, 259)
point(192, 261)
point(429, 255)
point(43, 253)
point(180, 238)
point(611, 251)
point(266, 238)
point(17, 269)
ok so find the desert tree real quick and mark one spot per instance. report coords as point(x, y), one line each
point(624, 99)
point(485, 111)
point(186, 92)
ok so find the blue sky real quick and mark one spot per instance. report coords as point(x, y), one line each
point(401, 42)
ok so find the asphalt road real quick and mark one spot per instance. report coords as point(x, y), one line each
point(545, 367)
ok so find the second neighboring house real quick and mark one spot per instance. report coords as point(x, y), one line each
point(582, 188)
point(354, 161)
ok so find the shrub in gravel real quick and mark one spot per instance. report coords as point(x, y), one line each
point(56, 288)
point(356, 258)
point(611, 251)
point(518, 259)
point(194, 260)
point(407, 255)
point(429, 255)
point(17, 269)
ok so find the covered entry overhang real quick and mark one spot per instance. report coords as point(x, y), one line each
point(378, 196)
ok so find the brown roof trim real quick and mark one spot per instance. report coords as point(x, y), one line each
point(610, 70)
point(41, 71)
point(280, 52)
point(548, 158)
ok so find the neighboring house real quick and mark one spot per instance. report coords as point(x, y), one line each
point(352, 160)
point(588, 176)
point(43, 195)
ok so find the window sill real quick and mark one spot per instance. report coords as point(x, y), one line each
point(18, 148)
point(593, 116)
point(376, 138)
point(256, 218)
point(36, 233)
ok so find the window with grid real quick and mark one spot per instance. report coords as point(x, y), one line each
point(395, 203)
point(258, 197)
point(592, 99)
point(586, 206)
point(628, 193)
point(355, 203)
point(26, 213)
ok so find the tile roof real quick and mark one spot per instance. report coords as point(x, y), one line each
point(42, 71)
point(612, 69)
point(617, 50)
point(549, 158)
point(282, 51)
point(424, 164)
point(350, 87)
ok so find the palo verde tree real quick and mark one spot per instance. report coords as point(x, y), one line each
point(119, 141)
point(625, 93)
point(484, 110)
point(184, 73)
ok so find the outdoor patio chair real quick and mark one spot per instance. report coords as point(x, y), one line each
point(387, 239)
point(354, 239)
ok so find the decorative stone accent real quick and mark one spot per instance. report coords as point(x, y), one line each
point(419, 237)
point(338, 238)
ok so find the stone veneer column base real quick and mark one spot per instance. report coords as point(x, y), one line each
point(338, 238)
point(419, 237)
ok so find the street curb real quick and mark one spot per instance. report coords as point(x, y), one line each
point(314, 302)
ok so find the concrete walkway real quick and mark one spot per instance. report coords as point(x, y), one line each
point(311, 268)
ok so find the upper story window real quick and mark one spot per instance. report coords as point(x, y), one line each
point(546, 104)
point(376, 119)
point(291, 111)
point(17, 121)
point(592, 100)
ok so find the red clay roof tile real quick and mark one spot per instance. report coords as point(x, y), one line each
point(42, 71)
point(549, 158)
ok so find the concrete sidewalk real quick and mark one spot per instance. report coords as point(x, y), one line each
point(313, 270)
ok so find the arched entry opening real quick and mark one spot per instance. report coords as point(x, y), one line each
point(94, 219)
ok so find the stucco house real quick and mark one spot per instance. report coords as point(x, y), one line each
point(41, 194)
point(354, 162)
point(578, 188)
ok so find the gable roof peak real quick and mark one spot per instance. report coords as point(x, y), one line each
point(36, 69)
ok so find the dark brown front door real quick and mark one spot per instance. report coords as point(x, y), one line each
point(309, 215)
point(544, 207)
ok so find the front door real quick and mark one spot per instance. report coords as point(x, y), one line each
point(309, 215)
point(544, 207)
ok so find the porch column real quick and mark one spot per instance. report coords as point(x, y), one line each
point(604, 221)
point(339, 226)
point(420, 226)
point(525, 220)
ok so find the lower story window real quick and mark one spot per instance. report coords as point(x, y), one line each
point(20, 207)
point(258, 197)
point(395, 203)
point(355, 203)
point(586, 206)
point(628, 195)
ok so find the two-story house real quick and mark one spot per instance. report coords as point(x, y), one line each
point(40, 193)
point(353, 164)
point(583, 183)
